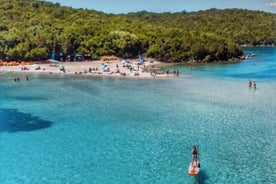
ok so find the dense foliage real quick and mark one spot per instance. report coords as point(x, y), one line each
point(242, 26)
point(33, 30)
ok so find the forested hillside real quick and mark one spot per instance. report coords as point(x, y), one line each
point(33, 30)
point(244, 27)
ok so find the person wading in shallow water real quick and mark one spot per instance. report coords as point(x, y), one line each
point(250, 84)
point(254, 85)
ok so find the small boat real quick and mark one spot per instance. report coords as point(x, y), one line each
point(194, 167)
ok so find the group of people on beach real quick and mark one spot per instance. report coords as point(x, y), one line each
point(250, 84)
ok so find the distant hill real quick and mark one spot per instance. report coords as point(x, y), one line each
point(33, 30)
point(244, 26)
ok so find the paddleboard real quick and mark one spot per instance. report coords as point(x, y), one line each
point(194, 168)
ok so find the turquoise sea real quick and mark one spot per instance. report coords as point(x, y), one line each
point(57, 129)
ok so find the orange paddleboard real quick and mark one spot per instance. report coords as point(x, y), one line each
point(194, 168)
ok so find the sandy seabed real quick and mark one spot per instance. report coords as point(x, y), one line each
point(113, 68)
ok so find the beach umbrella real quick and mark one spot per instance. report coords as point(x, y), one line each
point(61, 67)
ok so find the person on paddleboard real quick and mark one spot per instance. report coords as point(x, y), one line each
point(194, 152)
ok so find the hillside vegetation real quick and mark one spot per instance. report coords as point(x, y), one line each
point(33, 30)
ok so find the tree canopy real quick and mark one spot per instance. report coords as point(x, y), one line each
point(33, 30)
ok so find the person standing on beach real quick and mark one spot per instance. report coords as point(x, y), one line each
point(254, 85)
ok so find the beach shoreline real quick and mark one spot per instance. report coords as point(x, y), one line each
point(113, 68)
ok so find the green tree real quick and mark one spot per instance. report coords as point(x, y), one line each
point(37, 54)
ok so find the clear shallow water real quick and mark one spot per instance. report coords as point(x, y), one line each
point(61, 129)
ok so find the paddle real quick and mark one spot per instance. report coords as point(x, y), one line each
point(198, 163)
point(197, 152)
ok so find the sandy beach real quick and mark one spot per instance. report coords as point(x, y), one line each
point(114, 68)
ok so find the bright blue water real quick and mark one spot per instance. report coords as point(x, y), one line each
point(62, 129)
point(262, 67)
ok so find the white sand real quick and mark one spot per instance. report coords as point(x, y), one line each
point(116, 68)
